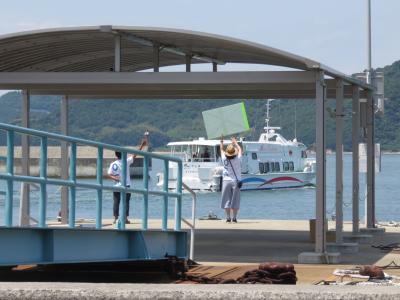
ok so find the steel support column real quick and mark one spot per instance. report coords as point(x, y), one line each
point(339, 161)
point(156, 58)
point(188, 63)
point(24, 208)
point(64, 160)
point(215, 67)
point(320, 230)
point(369, 56)
point(370, 204)
point(117, 53)
point(355, 162)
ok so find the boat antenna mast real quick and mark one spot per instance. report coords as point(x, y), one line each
point(268, 128)
point(295, 120)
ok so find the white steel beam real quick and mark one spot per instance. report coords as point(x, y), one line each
point(355, 142)
point(339, 161)
point(81, 79)
point(167, 85)
point(64, 159)
point(24, 208)
point(320, 230)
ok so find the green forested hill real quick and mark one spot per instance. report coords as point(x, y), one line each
point(123, 121)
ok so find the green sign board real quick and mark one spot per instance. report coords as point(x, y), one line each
point(226, 120)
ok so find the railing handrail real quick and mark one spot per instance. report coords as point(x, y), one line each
point(72, 183)
point(76, 140)
point(94, 186)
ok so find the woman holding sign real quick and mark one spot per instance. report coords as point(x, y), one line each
point(231, 175)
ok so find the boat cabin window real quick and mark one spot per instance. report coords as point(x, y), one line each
point(303, 154)
point(254, 156)
point(261, 167)
point(217, 152)
point(264, 167)
point(286, 166)
point(204, 153)
point(291, 166)
point(182, 151)
point(273, 138)
point(277, 167)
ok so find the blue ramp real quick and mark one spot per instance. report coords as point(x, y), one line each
point(55, 245)
point(64, 245)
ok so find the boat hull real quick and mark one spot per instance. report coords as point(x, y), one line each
point(251, 181)
point(277, 180)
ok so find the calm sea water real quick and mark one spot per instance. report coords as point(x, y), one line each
point(280, 204)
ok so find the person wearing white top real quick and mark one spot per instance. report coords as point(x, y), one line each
point(114, 173)
point(231, 176)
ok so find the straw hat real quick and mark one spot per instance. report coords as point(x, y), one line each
point(231, 151)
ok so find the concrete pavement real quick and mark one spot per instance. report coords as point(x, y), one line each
point(89, 291)
point(255, 241)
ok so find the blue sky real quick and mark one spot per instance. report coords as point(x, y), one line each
point(332, 32)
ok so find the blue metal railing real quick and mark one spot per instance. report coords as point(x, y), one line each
point(73, 184)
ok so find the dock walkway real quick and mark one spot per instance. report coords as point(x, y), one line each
point(249, 242)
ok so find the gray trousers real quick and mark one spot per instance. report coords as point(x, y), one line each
point(230, 195)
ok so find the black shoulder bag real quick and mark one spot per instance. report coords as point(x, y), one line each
point(239, 183)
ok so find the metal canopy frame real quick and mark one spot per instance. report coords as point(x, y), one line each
point(102, 62)
point(175, 85)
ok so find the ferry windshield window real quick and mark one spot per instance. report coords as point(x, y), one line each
point(285, 166)
point(291, 166)
point(266, 167)
point(261, 167)
point(273, 167)
point(303, 154)
point(187, 152)
point(205, 153)
point(277, 167)
point(254, 156)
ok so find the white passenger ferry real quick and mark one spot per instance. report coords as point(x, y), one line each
point(272, 162)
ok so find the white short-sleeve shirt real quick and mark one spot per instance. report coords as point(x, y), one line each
point(115, 170)
point(228, 173)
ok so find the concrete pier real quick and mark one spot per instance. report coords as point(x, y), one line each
point(89, 291)
point(255, 241)
point(246, 243)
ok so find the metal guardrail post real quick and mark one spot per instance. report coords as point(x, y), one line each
point(99, 177)
point(193, 225)
point(165, 202)
point(43, 175)
point(122, 212)
point(178, 203)
point(10, 170)
point(146, 195)
point(72, 189)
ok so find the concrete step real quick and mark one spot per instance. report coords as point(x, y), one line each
point(358, 238)
point(342, 247)
point(319, 258)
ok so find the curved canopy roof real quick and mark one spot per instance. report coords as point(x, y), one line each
point(91, 49)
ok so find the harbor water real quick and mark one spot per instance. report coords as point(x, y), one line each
point(284, 204)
